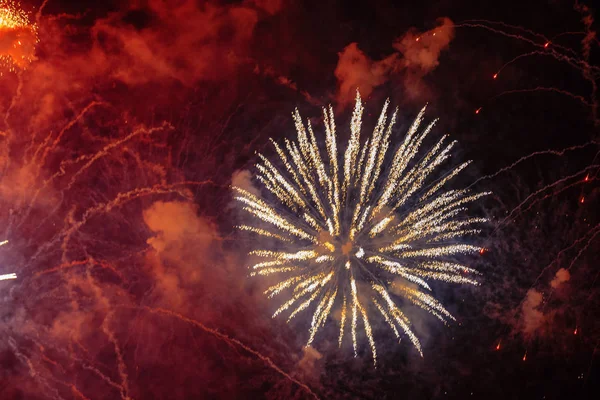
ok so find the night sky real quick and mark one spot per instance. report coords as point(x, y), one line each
point(125, 125)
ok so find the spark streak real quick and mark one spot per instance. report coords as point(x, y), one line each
point(7, 276)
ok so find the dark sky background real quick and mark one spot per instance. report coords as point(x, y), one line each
point(120, 141)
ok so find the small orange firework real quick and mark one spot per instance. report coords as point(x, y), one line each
point(18, 36)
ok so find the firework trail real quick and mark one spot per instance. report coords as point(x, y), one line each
point(545, 188)
point(534, 154)
point(232, 342)
point(547, 47)
point(579, 61)
point(71, 188)
point(355, 233)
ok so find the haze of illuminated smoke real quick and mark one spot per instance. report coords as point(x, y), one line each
point(415, 55)
point(18, 36)
point(350, 230)
point(4, 277)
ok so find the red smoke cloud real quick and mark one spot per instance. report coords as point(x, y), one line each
point(533, 317)
point(416, 55)
point(186, 41)
point(100, 238)
point(562, 276)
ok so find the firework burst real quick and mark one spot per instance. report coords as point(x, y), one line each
point(18, 36)
point(360, 229)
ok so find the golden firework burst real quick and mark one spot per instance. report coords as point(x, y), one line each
point(360, 228)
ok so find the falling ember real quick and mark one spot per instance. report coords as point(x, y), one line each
point(418, 39)
point(482, 251)
point(495, 76)
point(498, 346)
point(477, 111)
point(546, 45)
point(587, 178)
point(575, 331)
point(582, 200)
point(336, 214)
point(525, 356)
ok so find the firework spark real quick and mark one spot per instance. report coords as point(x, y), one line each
point(361, 227)
point(7, 276)
point(18, 36)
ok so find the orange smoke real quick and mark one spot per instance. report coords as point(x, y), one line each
point(531, 312)
point(562, 275)
point(416, 55)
